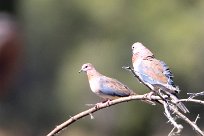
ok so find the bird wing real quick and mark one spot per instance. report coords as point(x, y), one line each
point(155, 71)
point(113, 87)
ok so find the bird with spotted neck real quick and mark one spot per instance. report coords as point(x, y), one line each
point(154, 73)
point(103, 86)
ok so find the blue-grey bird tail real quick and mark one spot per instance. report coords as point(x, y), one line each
point(180, 105)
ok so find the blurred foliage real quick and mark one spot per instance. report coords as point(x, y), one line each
point(61, 35)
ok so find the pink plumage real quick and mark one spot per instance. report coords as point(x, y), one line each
point(105, 87)
point(154, 73)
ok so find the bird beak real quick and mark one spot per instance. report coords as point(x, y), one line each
point(80, 71)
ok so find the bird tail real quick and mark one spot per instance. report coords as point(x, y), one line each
point(180, 105)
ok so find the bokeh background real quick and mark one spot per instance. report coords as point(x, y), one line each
point(43, 44)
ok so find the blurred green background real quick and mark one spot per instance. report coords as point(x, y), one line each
point(58, 36)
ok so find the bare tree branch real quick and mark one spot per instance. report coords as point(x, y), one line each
point(98, 106)
point(183, 117)
point(191, 123)
point(154, 98)
point(179, 127)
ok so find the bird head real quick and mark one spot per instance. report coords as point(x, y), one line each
point(139, 49)
point(85, 67)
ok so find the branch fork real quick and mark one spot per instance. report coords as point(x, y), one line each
point(169, 110)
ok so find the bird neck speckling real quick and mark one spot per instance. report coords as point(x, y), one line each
point(92, 73)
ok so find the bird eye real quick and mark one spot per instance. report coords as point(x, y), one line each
point(86, 66)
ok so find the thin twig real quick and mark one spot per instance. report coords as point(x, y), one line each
point(128, 68)
point(198, 117)
point(171, 119)
point(192, 100)
point(193, 95)
point(131, 70)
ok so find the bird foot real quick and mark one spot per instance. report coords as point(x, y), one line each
point(148, 95)
point(108, 102)
point(97, 105)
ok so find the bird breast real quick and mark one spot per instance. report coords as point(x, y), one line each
point(136, 65)
point(95, 84)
